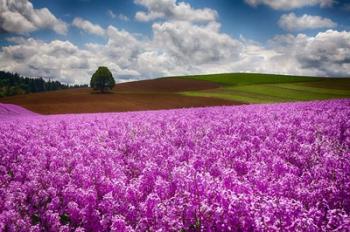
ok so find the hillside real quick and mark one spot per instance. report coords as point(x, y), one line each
point(133, 96)
point(267, 88)
point(186, 91)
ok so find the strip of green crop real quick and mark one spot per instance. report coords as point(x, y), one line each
point(262, 93)
point(237, 96)
point(266, 88)
point(286, 93)
point(324, 90)
point(234, 79)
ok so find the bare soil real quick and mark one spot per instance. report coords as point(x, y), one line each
point(133, 96)
point(166, 85)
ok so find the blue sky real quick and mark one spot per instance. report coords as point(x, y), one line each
point(140, 39)
point(236, 16)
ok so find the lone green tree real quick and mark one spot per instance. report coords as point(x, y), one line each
point(102, 80)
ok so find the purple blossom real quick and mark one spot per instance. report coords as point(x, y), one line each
point(245, 168)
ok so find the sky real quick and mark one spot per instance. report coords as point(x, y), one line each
point(67, 40)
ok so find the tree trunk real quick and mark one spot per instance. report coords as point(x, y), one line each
point(102, 87)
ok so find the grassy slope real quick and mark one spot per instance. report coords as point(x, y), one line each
point(261, 88)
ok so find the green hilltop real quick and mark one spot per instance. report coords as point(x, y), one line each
point(267, 88)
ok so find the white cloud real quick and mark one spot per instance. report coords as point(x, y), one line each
point(171, 9)
point(326, 54)
point(291, 22)
point(119, 16)
point(123, 17)
point(290, 4)
point(88, 26)
point(20, 17)
point(195, 44)
point(66, 62)
point(111, 14)
point(54, 59)
point(179, 47)
point(157, 63)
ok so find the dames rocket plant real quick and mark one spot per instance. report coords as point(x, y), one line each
point(278, 167)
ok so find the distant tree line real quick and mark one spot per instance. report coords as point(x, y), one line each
point(14, 84)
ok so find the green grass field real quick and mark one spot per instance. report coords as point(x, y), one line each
point(266, 88)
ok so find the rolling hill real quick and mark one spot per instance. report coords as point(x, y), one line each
point(132, 96)
point(186, 91)
point(267, 88)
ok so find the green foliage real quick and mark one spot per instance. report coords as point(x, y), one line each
point(13, 84)
point(35, 219)
point(64, 219)
point(102, 79)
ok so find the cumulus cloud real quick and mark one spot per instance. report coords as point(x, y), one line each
point(171, 9)
point(291, 22)
point(171, 53)
point(178, 47)
point(66, 62)
point(196, 44)
point(290, 4)
point(20, 17)
point(326, 54)
point(88, 26)
point(60, 60)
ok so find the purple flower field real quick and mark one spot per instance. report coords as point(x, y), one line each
point(278, 167)
point(7, 110)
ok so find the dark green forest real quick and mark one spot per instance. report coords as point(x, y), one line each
point(14, 84)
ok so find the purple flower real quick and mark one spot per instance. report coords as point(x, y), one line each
point(266, 167)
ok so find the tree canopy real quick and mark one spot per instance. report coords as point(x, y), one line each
point(102, 80)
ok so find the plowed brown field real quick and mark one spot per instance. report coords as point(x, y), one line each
point(141, 95)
